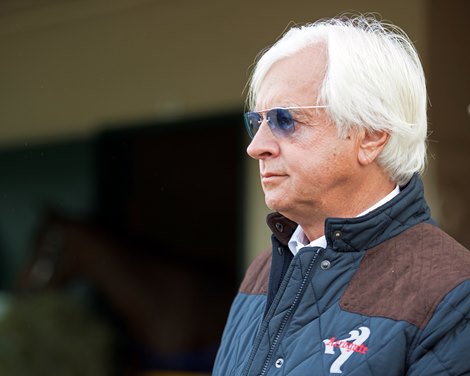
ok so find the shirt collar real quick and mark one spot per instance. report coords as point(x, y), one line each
point(299, 240)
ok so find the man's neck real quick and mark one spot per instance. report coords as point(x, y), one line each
point(313, 225)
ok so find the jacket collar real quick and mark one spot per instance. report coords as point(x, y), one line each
point(405, 210)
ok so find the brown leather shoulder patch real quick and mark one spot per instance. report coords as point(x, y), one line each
point(257, 276)
point(406, 277)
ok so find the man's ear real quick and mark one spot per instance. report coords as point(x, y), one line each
point(371, 145)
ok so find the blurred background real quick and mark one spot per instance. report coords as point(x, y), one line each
point(128, 210)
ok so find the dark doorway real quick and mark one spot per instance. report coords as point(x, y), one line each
point(172, 192)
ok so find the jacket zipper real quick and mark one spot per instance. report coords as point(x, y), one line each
point(286, 317)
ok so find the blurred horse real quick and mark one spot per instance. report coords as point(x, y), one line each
point(173, 305)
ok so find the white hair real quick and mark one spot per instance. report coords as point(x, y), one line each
point(374, 79)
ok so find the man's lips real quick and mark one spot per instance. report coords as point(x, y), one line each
point(272, 175)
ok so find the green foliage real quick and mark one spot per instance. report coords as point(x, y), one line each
point(48, 334)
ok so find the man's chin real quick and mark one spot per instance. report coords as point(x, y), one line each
point(276, 204)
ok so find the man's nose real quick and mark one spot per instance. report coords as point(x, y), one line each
point(264, 143)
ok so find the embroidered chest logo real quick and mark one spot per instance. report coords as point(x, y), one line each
point(348, 346)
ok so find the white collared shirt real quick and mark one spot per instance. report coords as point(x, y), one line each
point(299, 240)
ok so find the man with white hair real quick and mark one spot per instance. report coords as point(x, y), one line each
point(360, 280)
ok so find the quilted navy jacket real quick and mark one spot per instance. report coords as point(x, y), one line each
point(390, 295)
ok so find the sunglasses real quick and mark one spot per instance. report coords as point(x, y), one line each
point(281, 120)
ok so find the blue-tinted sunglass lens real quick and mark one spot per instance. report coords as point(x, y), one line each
point(253, 121)
point(281, 121)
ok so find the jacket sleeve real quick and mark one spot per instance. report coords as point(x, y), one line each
point(443, 347)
